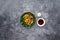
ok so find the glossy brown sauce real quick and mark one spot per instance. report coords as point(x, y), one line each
point(40, 21)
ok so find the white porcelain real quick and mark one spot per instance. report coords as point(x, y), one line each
point(39, 24)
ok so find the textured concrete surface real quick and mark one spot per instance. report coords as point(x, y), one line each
point(11, 10)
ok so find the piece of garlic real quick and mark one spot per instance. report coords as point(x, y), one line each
point(39, 14)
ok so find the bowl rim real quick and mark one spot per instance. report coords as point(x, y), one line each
point(21, 18)
point(39, 24)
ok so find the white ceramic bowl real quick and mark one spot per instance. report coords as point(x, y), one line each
point(43, 22)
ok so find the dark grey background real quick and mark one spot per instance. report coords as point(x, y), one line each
point(11, 10)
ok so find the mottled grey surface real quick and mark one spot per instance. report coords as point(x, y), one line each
point(11, 10)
